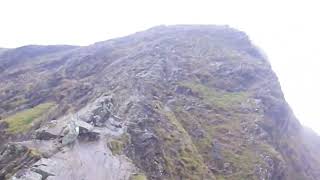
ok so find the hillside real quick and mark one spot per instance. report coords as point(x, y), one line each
point(171, 102)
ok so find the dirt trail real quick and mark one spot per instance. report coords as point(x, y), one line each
point(86, 161)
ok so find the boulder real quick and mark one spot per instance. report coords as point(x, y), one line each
point(44, 167)
point(52, 130)
point(87, 131)
point(84, 127)
point(70, 133)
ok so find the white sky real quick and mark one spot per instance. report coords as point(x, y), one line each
point(288, 31)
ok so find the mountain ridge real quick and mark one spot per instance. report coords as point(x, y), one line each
point(171, 102)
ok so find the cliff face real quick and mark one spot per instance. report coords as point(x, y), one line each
point(177, 102)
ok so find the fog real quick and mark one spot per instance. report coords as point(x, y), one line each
point(288, 31)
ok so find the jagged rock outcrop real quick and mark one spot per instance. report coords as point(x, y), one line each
point(172, 102)
point(14, 157)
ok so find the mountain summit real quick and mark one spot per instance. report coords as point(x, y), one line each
point(173, 102)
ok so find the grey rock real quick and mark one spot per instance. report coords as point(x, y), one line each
point(44, 167)
point(83, 127)
point(184, 90)
point(51, 130)
point(217, 155)
point(227, 168)
point(87, 132)
point(216, 150)
point(102, 114)
point(13, 157)
point(70, 133)
point(216, 82)
point(27, 175)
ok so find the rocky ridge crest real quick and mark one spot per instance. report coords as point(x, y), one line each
point(172, 102)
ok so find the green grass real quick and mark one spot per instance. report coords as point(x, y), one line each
point(221, 99)
point(118, 145)
point(24, 120)
point(270, 150)
point(227, 131)
point(138, 177)
point(220, 177)
point(181, 155)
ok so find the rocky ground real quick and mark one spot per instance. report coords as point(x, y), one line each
point(172, 102)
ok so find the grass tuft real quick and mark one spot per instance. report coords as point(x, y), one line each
point(221, 99)
point(138, 177)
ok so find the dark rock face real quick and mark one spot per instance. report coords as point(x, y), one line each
point(13, 157)
point(181, 102)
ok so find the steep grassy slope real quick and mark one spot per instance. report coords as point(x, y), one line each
point(198, 102)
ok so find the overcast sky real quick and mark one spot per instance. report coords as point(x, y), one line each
point(288, 31)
